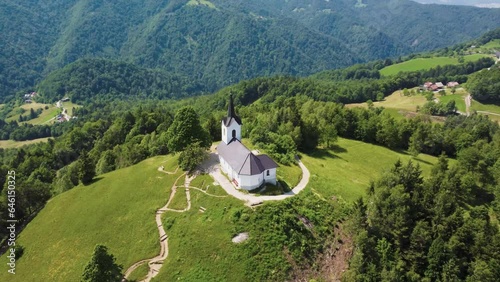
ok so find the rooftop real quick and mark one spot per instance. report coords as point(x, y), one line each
point(242, 160)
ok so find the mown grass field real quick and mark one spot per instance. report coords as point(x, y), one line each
point(347, 170)
point(427, 63)
point(396, 104)
point(69, 106)
point(117, 211)
point(45, 116)
point(457, 97)
point(7, 144)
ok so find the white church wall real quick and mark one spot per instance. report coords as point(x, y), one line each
point(227, 133)
point(250, 182)
point(271, 178)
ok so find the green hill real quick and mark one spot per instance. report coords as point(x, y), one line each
point(118, 209)
point(220, 42)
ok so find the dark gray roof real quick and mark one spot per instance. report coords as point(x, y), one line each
point(231, 114)
point(242, 160)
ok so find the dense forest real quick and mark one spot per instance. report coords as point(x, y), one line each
point(90, 79)
point(219, 43)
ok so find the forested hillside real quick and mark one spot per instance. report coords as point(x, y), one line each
point(91, 79)
point(222, 42)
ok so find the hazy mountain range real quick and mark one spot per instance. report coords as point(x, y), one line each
point(477, 3)
point(217, 43)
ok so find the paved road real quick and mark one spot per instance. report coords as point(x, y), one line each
point(212, 167)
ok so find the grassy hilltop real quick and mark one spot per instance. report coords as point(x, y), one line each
point(117, 210)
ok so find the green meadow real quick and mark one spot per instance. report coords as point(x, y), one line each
point(427, 63)
point(346, 170)
point(117, 210)
point(200, 247)
point(493, 44)
point(7, 144)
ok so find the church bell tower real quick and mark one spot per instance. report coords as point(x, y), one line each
point(231, 124)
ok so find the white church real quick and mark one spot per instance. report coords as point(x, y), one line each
point(246, 170)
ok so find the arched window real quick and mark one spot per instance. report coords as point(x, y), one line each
point(234, 133)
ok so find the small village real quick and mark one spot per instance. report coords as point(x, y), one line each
point(437, 86)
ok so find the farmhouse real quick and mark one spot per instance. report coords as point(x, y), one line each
point(245, 169)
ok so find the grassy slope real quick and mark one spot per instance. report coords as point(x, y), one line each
point(45, 116)
point(117, 211)
point(347, 170)
point(6, 144)
point(395, 103)
point(493, 44)
point(200, 247)
point(69, 106)
point(426, 63)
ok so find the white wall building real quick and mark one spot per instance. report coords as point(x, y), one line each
point(246, 170)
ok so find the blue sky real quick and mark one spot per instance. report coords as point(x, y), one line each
point(484, 3)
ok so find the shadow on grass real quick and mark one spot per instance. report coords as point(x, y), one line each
point(322, 153)
point(271, 190)
point(422, 161)
point(95, 180)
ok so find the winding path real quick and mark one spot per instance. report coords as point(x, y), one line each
point(156, 262)
point(212, 167)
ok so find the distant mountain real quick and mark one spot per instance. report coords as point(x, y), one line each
point(220, 42)
point(477, 3)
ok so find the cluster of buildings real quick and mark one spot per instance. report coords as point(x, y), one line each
point(29, 96)
point(430, 86)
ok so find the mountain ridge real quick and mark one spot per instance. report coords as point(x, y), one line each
point(219, 43)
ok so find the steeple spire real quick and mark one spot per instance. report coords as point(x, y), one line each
point(230, 108)
point(231, 113)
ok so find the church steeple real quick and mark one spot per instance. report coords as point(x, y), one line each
point(231, 125)
point(230, 107)
point(231, 113)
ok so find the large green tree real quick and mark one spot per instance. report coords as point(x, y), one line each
point(185, 130)
point(86, 169)
point(102, 267)
point(192, 156)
